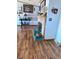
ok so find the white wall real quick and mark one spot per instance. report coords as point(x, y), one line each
point(41, 19)
point(51, 26)
point(19, 5)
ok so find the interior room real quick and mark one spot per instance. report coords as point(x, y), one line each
point(38, 29)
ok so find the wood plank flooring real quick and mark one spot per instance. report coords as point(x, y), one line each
point(27, 48)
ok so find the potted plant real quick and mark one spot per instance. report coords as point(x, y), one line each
point(29, 18)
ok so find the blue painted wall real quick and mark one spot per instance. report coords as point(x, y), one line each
point(52, 26)
point(58, 34)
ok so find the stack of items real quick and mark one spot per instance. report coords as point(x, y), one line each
point(37, 33)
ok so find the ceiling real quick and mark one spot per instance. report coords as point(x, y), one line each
point(33, 2)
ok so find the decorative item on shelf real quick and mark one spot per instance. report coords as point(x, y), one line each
point(20, 19)
point(20, 12)
point(25, 14)
point(26, 19)
point(54, 10)
point(29, 18)
point(21, 22)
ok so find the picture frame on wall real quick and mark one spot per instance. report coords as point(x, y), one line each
point(28, 8)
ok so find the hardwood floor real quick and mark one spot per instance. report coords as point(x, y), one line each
point(27, 48)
